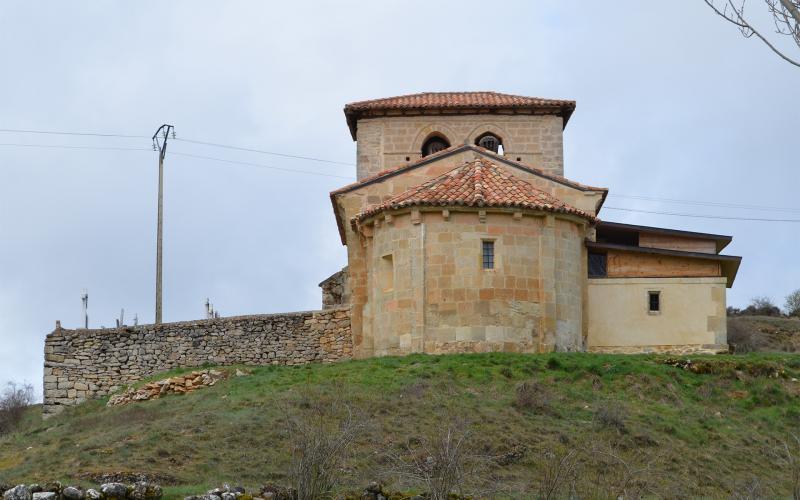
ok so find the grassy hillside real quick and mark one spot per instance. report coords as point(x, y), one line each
point(764, 334)
point(677, 431)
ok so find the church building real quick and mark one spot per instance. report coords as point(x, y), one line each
point(464, 235)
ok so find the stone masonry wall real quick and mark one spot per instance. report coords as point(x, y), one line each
point(87, 364)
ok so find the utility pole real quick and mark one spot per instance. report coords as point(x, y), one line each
point(160, 145)
point(85, 307)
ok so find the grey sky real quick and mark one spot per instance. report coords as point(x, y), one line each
point(672, 103)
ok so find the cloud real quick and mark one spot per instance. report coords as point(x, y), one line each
point(672, 103)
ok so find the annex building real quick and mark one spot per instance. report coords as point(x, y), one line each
point(464, 235)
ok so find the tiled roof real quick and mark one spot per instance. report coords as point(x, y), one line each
point(477, 183)
point(458, 149)
point(458, 101)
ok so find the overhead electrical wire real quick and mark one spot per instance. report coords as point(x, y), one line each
point(260, 165)
point(63, 146)
point(705, 203)
point(58, 132)
point(251, 150)
point(699, 216)
point(192, 141)
point(323, 174)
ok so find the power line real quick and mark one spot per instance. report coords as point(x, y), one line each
point(235, 162)
point(59, 132)
point(757, 219)
point(251, 150)
point(707, 203)
point(59, 146)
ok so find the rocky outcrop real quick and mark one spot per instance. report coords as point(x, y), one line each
point(86, 364)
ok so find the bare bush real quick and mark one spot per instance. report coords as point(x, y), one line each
point(749, 489)
point(630, 476)
point(533, 396)
point(742, 338)
point(611, 415)
point(762, 306)
point(320, 435)
point(13, 402)
point(788, 454)
point(442, 462)
point(560, 473)
point(792, 306)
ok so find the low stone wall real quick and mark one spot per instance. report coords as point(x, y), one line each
point(87, 364)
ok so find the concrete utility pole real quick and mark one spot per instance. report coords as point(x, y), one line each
point(160, 145)
point(85, 308)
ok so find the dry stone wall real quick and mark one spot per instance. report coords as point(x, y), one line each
point(87, 364)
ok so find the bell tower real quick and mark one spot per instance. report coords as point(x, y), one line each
point(395, 131)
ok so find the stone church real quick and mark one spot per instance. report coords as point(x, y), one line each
point(464, 235)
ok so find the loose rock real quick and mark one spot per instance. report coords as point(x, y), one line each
point(20, 492)
point(72, 493)
point(115, 491)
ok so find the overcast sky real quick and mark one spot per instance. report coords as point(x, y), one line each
point(671, 103)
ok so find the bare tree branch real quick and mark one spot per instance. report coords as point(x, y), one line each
point(786, 17)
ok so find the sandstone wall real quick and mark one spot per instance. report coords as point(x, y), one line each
point(692, 316)
point(425, 290)
point(391, 141)
point(86, 364)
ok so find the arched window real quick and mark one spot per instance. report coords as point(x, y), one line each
point(490, 142)
point(434, 144)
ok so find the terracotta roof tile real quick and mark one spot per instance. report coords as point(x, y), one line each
point(458, 101)
point(450, 100)
point(477, 183)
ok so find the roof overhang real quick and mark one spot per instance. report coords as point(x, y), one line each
point(353, 116)
point(720, 240)
point(729, 264)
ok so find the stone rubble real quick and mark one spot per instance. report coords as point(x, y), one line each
point(180, 384)
point(110, 491)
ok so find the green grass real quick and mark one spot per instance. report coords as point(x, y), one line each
point(705, 432)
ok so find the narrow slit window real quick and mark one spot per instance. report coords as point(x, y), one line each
point(654, 301)
point(387, 272)
point(488, 254)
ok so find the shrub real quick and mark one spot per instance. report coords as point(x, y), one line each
point(533, 396)
point(761, 306)
point(320, 437)
point(611, 415)
point(13, 402)
point(792, 306)
point(554, 364)
point(441, 462)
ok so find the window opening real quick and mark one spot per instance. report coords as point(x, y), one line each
point(490, 142)
point(654, 301)
point(488, 254)
point(598, 265)
point(434, 145)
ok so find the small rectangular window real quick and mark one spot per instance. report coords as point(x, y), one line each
point(598, 265)
point(654, 301)
point(387, 272)
point(488, 254)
